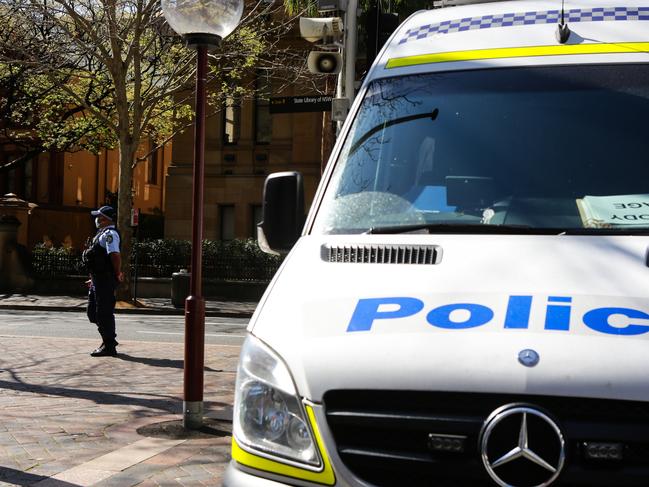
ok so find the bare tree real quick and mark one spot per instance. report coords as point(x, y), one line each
point(110, 72)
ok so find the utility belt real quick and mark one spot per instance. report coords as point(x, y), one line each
point(102, 275)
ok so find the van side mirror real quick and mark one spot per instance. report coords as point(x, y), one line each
point(283, 212)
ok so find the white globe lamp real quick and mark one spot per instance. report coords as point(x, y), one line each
point(203, 22)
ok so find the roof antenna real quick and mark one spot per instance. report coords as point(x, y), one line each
point(563, 32)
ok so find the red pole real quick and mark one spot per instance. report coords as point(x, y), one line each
point(195, 304)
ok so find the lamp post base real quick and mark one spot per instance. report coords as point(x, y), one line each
point(193, 414)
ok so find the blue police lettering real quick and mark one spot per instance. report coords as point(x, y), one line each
point(597, 319)
point(478, 316)
point(517, 315)
point(367, 310)
point(557, 316)
point(518, 312)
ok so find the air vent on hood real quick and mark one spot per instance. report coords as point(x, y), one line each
point(382, 254)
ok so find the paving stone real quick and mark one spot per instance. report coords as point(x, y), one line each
point(15, 450)
point(10, 465)
point(215, 468)
point(47, 470)
point(175, 473)
point(148, 483)
point(174, 456)
point(168, 483)
point(6, 437)
point(213, 482)
point(195, 471)
point(27, 465)
point(131, 476)
point(57, 418)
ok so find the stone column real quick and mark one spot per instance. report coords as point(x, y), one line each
point(13, 257)
point(11, 205)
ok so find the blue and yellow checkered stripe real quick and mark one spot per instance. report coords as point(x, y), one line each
point(598, 14)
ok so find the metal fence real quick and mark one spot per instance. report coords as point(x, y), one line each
point(48, 264)
point(223, 268)
point(56, 264)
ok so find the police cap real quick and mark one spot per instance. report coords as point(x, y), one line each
point(105, 211)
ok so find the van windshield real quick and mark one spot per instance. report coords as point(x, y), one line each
point(555, 148)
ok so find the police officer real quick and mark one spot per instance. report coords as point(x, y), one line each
point(104, 262)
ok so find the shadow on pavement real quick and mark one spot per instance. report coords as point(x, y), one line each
point(159, 362)
point(175, 430)
point(163, 403)
point(18, 477)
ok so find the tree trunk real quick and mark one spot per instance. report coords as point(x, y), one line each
point(127, 149)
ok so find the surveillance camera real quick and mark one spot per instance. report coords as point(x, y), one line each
point(315, 29)
point(324, 62)
point(339, 109)
point(331, 5)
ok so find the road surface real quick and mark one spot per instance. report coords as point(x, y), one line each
point(140, 327)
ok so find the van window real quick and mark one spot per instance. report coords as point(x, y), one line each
point(555, 147)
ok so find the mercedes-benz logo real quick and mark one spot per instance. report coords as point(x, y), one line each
point(528, 357)
point(522, 447)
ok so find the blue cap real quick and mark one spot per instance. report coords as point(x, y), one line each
point(105, 211)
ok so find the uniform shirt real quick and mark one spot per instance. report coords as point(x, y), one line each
point(109, 239)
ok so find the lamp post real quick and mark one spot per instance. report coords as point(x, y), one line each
point(202, 23)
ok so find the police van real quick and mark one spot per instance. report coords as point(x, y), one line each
point(467, 302)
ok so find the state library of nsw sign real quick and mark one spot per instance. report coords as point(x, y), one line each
point(297, 104)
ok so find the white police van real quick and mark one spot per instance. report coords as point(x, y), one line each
point(467, 303)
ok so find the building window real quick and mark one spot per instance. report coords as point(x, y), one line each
point(8, 178)
point(11, 182)
point(231, 120)
point(28, 180)
point(18, 180)
point(227, 222)
point(152, 172)
point(257, 215)
point(263, 120)
point(55, 178)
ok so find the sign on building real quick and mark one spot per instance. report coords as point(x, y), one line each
point(300, 104)
point(135, 217)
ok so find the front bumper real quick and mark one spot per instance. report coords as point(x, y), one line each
point(235, 477)
point(240, 476)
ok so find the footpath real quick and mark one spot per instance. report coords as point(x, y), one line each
point(68, 419)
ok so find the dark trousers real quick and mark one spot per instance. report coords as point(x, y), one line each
point(101, 307)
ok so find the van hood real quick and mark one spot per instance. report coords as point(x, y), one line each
point(581, 303)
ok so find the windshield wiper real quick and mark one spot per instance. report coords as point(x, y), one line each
point(461, 228)
point(388, 123)
point(480, 228)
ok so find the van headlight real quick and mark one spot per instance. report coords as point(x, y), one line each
point(268, 415)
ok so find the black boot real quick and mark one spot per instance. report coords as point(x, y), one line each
point(104, 351)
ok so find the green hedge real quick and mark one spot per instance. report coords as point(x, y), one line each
point(238, 260)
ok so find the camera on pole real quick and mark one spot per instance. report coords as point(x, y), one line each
point(328, 32)
point(328, 6)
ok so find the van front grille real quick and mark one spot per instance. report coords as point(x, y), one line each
point(382, 254)
point(383, 437)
